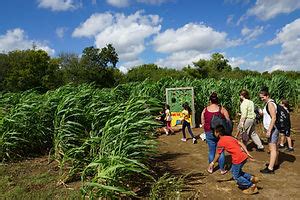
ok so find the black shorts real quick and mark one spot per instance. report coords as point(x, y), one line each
point(286, 133)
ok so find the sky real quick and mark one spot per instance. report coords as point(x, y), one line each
point(262, 35)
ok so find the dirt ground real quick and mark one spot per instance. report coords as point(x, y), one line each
point(186, 158)
point(37, 179)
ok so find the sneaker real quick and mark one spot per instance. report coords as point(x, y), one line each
point(210, 170)
point(274, 168)
point(194, 140)
point(281, 146)
point(223, 172)
point(251, 190)
point(289, 149)
point(254, 179)
point(183, 139)
point(267, 171)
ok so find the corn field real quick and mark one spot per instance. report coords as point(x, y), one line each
point(105, 136)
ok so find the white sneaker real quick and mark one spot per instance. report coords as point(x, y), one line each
point(194, 140)
point(203, 136)
point(183, 139)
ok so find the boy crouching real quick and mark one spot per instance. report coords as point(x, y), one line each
point(239, 154)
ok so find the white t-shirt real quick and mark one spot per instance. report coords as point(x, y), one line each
point(168, 115)
point(266, 116)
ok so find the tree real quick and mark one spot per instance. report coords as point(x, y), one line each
point(29, 69)
point(4, 67)
point(94, 57)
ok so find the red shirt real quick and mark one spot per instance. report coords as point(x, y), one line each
point(231, 145)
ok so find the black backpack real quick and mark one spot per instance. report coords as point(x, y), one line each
point(219, 119)
point(282, 122)
point(258, 116)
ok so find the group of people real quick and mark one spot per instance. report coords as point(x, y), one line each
point(219, 140)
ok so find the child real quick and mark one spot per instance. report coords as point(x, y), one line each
point(162, 119)
point(287, 131)
point(186, 122)
point(239, 154)
point(168, 119)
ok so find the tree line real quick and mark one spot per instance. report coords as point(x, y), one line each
point(21, 70)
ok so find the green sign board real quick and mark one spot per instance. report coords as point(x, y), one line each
point(175, 97)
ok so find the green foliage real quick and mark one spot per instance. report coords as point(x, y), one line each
point(29, 69)
point(151, 72)
point(167, 187)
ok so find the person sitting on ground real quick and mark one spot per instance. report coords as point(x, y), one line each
point(239, 154)
point(186, 122)
point(286, 132)
point(247, 121)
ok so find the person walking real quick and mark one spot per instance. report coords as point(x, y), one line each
point(206, 116)
point(186, 122)
point(168, 119)
point(247, 122)
point(272, 133)
point(286, 131)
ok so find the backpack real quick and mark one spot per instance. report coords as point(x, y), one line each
point(282, 122)
point(219, 119)
point(258, 116)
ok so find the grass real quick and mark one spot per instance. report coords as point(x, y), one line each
point(34, 179)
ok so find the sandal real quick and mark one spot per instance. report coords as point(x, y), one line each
point(210, 170)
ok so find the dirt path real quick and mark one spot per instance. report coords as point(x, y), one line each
point(184, 157)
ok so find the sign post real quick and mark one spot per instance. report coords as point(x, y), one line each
point(175, 97)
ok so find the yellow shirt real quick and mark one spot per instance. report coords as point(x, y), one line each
point(247, 109)
point(186, 116)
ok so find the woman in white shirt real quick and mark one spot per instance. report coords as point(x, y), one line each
point(269, 118)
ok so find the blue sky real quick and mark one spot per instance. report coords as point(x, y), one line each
point(252, 34)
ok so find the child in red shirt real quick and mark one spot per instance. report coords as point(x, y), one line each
point(239, 154)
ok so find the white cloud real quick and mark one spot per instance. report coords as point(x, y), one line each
point(16, 39)
point(59, 5)
point(268, 9)
point(190, 37)
point(251, 34)
point(118, 3)
point(94, 25)
point(289, 57)
point(126, 33)
point(182, 58)
point(60, 31)
point(236, 62)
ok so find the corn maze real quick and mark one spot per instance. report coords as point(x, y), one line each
point(105, 136)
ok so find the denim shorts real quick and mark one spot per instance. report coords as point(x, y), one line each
point(274, 136)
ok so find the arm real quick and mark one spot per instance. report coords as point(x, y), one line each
point(202, 117)
point(225, 113)
point(272, 111)
point(217, 155)
point(243, 113)
point(244, 148)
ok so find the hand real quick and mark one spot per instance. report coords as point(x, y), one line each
point(250, 157)
point(268, 133)
point(210, 167)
